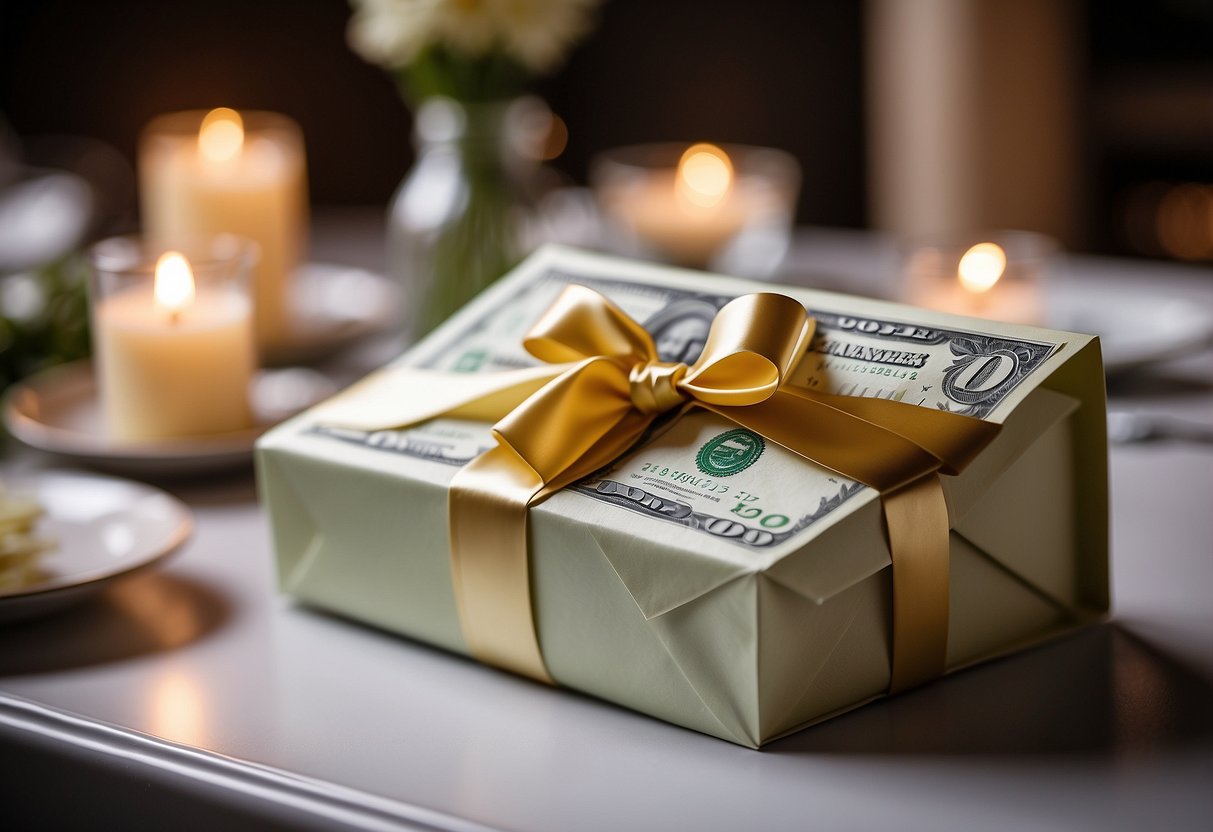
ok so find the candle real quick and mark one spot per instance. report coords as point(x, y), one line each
point(175, 354)
point(236, 173)
point(999, 280)
point(692, 211)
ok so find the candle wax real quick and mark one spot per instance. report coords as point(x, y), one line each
point(163, 376)
point(687, 233)
point(260, 194)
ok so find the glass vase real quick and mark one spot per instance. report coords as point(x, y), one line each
point(467, 211)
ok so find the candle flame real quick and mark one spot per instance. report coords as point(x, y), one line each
point(174, 284)
point(222, 135)
point(981, 267)
point(705, 175)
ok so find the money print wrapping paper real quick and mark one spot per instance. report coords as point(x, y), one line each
point(709, 577)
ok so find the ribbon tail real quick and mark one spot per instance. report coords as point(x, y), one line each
point(917, 520)
point(399, 396)
point(873, 454)
point(952, 438)
point(489, 498)
point(489, 564)
point(899, 452)
point(613, 445)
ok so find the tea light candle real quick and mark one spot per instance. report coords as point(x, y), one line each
point(174, 357)
point(690, 211)
point(231, 173)
point(984, 280)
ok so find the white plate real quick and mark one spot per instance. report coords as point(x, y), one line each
point(57, 411)
point(1134, 328)
point(104, 528)
point(333, 306)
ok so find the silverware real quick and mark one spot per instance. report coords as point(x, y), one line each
point(1127, 427)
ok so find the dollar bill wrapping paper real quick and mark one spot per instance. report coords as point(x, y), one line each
point(710, 577)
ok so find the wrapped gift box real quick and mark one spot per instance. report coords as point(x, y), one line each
point(707, 577)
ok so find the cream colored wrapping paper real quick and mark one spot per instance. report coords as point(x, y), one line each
point(708, 577)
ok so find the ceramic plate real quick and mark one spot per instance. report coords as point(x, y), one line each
point(1135, 329)
point(333, 306)
point(58, 411)
point(103, 528)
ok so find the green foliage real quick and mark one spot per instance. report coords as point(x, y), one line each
point(52, 327)
point(437, 71)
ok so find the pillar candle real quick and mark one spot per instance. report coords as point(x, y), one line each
point(243, 175)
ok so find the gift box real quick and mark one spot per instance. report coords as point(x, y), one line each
point(703, 498)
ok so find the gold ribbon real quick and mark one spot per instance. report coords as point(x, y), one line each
point(603, 386)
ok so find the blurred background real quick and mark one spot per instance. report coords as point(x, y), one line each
point(1091, 121)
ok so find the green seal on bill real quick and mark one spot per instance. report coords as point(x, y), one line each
point(729, 453)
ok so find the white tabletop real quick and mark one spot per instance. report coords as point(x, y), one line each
point(316, 722)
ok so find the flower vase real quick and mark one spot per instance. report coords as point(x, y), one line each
point(467, 210)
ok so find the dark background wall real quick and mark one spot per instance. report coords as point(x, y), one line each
point(784, 73)
point(1149, 118)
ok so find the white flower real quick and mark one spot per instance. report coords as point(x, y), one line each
point(538, 33)
point(467, 26)
point(393, 32)
point(535, 33)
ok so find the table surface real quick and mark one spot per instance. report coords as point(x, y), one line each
point(193, 691)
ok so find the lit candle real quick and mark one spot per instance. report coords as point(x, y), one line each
point(690, 212)
point(225, 172)
point(982, 283)
point(174, 358)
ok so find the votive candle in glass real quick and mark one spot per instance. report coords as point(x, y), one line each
point(173, 337)
point(720, 206)
point(983, 274)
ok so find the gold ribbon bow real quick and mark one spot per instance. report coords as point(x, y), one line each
point(606, 387)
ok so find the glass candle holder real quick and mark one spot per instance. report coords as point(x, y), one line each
point(728, 207)
point(243, 173)
point(984, 274)
point(173, 337)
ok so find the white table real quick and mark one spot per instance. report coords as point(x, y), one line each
point(192, 697)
